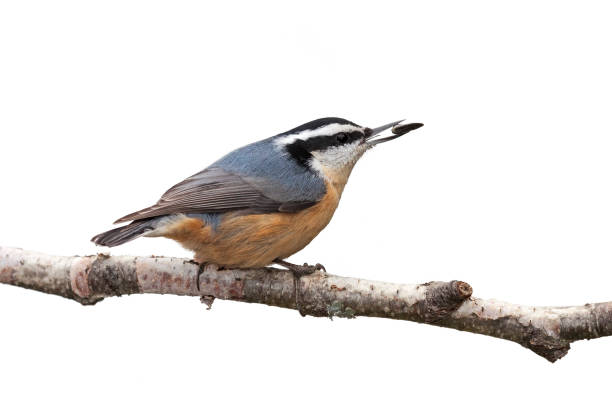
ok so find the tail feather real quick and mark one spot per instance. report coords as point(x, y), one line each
point(121, 235)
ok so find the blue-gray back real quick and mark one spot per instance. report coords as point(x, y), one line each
point(270, 169)
point(258, 178)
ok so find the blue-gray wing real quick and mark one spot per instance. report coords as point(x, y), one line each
point(249, 179)
point(215, 190)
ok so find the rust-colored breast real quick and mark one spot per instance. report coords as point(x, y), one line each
point(254, 240)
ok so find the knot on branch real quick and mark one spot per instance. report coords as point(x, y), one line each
point(443, 298)
point(549, 347)
point(112, 279)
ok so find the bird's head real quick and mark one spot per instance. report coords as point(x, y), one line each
point(332, 146)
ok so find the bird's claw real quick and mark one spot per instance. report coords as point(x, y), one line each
point(305, 269)
point(320, 267)
point(301, 270)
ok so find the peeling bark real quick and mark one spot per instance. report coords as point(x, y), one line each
point(547, 331)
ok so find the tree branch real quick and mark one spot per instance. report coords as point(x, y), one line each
point(547, 331)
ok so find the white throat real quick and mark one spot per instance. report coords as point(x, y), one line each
point(336, 163)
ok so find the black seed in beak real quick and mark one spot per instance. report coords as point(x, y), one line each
point(397, 130)
point(402, 129)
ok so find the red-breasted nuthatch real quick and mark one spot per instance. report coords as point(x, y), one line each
point(262, 202)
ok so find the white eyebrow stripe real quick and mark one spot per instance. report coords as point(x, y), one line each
point(330, 129)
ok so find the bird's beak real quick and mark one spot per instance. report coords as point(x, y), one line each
point(397, 129)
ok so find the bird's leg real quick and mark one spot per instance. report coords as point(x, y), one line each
point(200, 270)
point(299, 271)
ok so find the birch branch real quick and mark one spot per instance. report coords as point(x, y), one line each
point(547, 331)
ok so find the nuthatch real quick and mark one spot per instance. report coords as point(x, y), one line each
point(262, 202)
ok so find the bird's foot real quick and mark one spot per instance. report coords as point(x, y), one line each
point(299, 271)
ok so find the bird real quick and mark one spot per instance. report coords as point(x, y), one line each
point(263, 202)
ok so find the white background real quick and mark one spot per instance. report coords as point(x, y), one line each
point(104, 105)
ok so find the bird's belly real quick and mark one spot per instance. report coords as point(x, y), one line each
point(253, 240)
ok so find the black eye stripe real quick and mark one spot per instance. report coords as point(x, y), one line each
point(323, 142)
point(342, 137)
point(299, 152)
point(300, 149)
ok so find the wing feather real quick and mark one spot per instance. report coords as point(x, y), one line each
point(214, 190)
